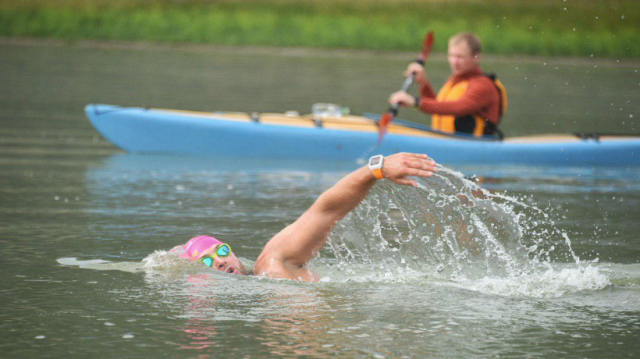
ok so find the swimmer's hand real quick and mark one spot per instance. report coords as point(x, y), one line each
point(398, 167)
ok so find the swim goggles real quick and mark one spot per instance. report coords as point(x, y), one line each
point(223, 251)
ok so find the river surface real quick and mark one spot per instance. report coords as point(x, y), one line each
point(515, 262)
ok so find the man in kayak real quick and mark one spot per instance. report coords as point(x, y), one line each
point(286, 254)
point(469, 101)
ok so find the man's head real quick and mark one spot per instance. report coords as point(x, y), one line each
point(213, 253)
point(464, 52)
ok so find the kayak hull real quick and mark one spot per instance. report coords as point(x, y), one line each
point(139, 130)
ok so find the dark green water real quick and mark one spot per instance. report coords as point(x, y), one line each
point(66, 193)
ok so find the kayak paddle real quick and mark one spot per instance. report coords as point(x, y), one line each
point(427, 45)
point(388, 116)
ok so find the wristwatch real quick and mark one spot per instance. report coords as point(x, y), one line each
point(375, 165)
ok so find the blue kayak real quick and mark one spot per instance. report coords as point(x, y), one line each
point(344, 138)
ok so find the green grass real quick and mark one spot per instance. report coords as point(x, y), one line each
point(542, 27)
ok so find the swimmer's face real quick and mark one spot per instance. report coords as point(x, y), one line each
point(228, 264)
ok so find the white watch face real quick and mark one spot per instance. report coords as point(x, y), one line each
point(375, 162)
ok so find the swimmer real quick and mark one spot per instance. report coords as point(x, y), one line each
point(286, 254)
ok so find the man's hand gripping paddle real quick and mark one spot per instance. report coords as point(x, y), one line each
point(388, 116)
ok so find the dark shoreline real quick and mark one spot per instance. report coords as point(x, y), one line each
point(301, 51)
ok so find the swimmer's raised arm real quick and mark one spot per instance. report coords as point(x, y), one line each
point(288, 251)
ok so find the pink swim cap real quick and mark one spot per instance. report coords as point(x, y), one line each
point(196, 245)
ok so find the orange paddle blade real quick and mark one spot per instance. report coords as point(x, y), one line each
point(427, 45)
point(385, 120)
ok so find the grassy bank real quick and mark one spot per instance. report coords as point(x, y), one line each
point(544, 27)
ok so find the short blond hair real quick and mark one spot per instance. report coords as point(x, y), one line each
point(472, 40)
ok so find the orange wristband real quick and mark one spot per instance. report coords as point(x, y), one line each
point(375, 165)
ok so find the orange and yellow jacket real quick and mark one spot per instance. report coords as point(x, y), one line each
point(469, 94)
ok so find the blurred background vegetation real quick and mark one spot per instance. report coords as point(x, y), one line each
point(587, 28)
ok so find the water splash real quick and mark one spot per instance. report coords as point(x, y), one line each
point(451, 230)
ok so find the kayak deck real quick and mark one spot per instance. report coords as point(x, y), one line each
point(364, 124)
point(344, 123)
